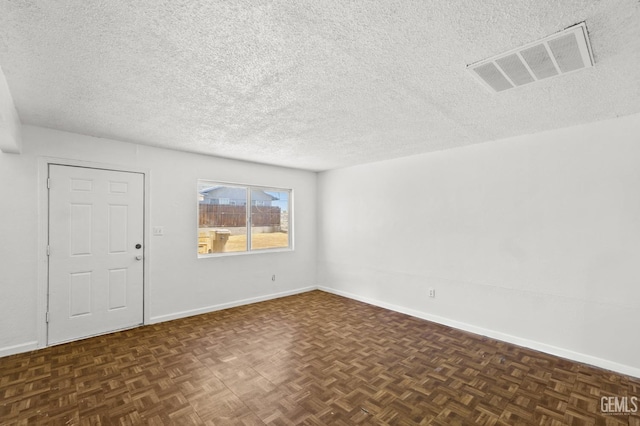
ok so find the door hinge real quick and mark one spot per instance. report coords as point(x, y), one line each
point(47, 317)
point(48, 183)
point(48, 250)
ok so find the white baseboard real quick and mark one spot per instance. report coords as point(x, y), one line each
point(212, 308)
point(531, 344)
point(17, 349)
point(29, 346)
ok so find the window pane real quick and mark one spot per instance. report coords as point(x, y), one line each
point(269, 219)
point(222, 216)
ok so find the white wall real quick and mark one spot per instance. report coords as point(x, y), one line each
point(10, 126)
point(533, 239)
point(180, 284)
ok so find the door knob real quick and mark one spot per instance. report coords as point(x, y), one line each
point(138, 257)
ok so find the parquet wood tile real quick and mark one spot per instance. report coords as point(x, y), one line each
point(309, 359)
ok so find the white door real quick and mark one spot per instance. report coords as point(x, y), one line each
point(96, 220)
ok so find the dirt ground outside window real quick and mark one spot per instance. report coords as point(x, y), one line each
point(258, 241)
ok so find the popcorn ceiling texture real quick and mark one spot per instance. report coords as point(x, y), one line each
point(307, 84)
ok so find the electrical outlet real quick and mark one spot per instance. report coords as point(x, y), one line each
point(432, 292)
point(158, 231)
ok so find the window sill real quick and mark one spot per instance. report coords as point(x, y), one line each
point(244, 253)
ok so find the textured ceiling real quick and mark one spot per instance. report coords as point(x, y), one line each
point(307, 84)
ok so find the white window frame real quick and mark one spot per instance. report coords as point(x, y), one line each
point(248, 188)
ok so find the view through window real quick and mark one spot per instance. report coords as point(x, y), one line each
point(234, 218)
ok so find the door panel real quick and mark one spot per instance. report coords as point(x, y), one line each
point(95, 279)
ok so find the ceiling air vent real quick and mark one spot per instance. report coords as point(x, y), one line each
point(560, 53)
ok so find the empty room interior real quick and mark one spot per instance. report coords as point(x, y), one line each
point(276, 212)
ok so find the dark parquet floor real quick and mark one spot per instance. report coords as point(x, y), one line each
point(314, 359)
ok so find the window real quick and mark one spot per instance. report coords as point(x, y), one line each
point(226, 225)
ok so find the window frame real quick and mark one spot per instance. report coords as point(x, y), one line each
point(248, 222)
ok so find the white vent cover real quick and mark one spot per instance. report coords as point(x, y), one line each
point(557, 54)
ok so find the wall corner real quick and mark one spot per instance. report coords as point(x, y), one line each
point(10, 125)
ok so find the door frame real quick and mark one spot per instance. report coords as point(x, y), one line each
point(43, 235)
